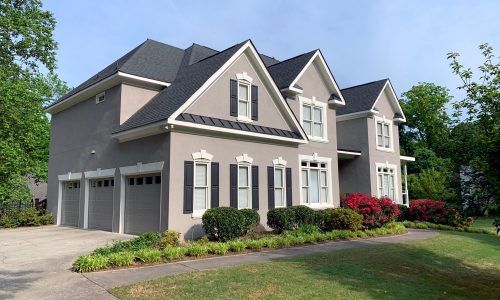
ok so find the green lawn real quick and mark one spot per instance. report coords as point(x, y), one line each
point(450, 266)
point(484, 223)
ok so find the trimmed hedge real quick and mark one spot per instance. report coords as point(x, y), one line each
point(251, 219)
point(341, 218)
point(304, 215)
point(281, 219)
point(223, 223)
point(429, 225)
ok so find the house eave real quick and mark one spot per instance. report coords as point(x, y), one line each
point(356, 115)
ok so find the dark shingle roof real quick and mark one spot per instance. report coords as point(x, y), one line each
point(195, 53)
point(268, 61)
point(216, 122)
point(150, 59)
point(189, 79)
point(361, 97)
point(285, 72)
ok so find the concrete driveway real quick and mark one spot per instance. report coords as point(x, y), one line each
point(35, 262)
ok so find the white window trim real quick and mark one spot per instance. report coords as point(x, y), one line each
point(324, 106)
point(396, 181)
point(383, 119)
point(244, 79)
point(202, 157)
point(318, 159)
point(244, 161)
point(280, 163)
point(138, 169)
point(98, 96)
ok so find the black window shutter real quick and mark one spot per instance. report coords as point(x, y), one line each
point(270, 187)
point(234, 98)
point(255, 103)
point(288, 186)
point(188, 186)
point(255, 187)
point(233, 183)
point(214, 193)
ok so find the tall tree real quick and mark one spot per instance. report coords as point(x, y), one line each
point(27, 82)
point(428, 124)
point(481, 106)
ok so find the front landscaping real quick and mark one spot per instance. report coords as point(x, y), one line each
point(453, 265)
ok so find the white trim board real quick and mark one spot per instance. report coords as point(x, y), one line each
point(325, 71)
point(393, 98)
point(356, 115)
point(100, 173)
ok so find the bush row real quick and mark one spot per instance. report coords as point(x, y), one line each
point(376, 212)
point(227, 223)
point(99, 260)
point(428, 225)
point(24, 217)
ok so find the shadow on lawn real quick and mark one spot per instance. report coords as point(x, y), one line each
point(397, 271)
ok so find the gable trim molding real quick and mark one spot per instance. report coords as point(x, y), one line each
point(267, 77)
point(393, 98)
point(356, 115)
point(326, 71)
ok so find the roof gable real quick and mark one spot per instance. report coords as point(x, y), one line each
point(285, 72)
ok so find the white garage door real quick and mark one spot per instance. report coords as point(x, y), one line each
point(142, 203)
point(101, 203)
point(70, 203)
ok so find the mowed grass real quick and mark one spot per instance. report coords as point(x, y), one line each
point(450, 266)
point(484, 223)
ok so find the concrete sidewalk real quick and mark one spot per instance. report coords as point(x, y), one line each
point(115, 278)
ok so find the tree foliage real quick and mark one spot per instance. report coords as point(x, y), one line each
point(27, 82)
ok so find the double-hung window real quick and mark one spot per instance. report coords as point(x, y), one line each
point(384, 134)
point(314, 183)
point(313, 116)
point(386, 182)
point(244, 100)
point(201, 185)
point(244, 187)
point(279, 186)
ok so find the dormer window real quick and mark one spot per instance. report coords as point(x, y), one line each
point(100, 97)
point(384, 134)
point(244, 100)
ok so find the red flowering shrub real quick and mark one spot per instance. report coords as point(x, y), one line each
point(434, 211)
point(376, 212)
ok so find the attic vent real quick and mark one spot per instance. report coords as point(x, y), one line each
point(100, 97)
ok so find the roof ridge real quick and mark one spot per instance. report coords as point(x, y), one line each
point(165, 44)
point(204, 47)
point(297, 56)
point(359, 85)
point(220, 52)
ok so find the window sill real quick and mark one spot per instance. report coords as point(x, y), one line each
point(317, 139)
point(318, 206)
point(198, 214)
point(390, 150)
point(244, 120)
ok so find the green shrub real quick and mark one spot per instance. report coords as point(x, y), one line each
point(305, 229)
point(251, 219)
point(121, 259)
point(218, 248)
point(223, 223)
point(171, 252)
point(89, 263)
point(420, 225)
point(341, 219)
point(281, 219)
point(320, 237)
point(196, 249)
point(404, 213)
point(296, 240)
point(254, 244)
point(24, 217)
point(304, 215)
point(236, 246)
point(362, 234)
point(148, 255)
point(270, 242)
point(282, 241)
point(169, 238)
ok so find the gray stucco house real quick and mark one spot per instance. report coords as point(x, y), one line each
point(162, 134)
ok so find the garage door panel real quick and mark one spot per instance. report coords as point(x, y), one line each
point(70, 203)
point(101, 204)
point(142, 204)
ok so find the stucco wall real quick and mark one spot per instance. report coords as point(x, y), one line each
point(88, 126)
point(132, 99)
point(215, 101)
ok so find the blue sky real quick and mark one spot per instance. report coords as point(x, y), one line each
point(362, 41)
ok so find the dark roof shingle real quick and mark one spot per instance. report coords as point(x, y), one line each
point(361, 97)
point(285, 72)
